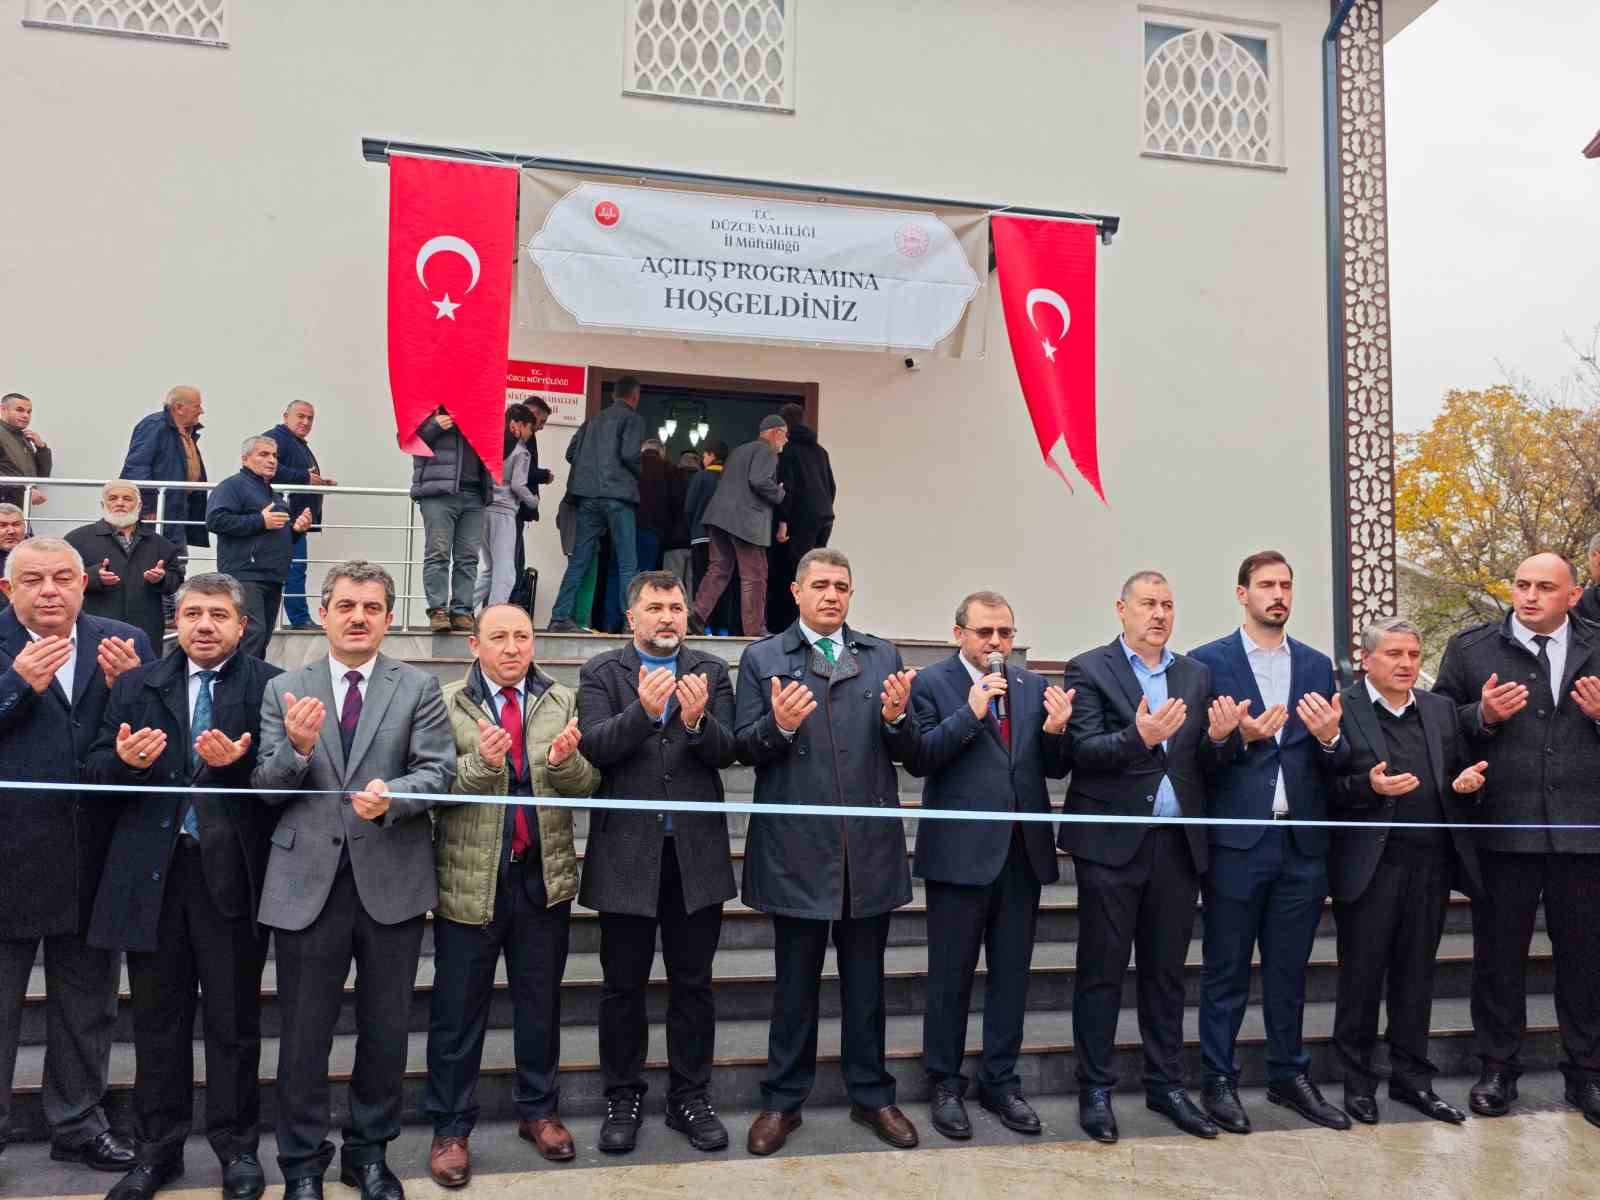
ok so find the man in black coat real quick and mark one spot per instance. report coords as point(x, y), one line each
point(1402, 762)
point(988, 736)
point(297, 463)
point(57, 665)
point(181, 885)
point(1142, 734)
point(1528, 687)
point(805, 518)
point(255, 537)
point(131, 567)
point(657, 719)
point(820, 712)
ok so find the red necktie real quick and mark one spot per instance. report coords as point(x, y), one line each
point(1005, 729)
point(511, 722)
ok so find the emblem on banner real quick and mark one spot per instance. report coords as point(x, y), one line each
point(912, 240)
point(607, 214)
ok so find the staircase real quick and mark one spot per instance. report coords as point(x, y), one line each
point(744, 972)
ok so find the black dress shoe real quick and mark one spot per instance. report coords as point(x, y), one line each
point(1176, 1106)
point(374, 1179)
point(1428, 1104)
point(1095, 1115)
point(1585, 1097)
point(1015, 1113)
point(1221, 1099)
point(105, 1151)
point(145, 1181)
point(949, 1112)
point(620, 1132)
point(1492, 1095)
point(306, 1187)
point(242, 1178)
point(1300, 1094)
point(694, 1117)
point(1363, 1106)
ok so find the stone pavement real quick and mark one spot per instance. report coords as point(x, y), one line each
point(1542, 1149)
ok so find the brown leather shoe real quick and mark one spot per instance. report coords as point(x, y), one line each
point(770, 1130)
point(463, 623)
point(449, 1162)
point(549, 1136)
point(438, 621)
point(889, 1123)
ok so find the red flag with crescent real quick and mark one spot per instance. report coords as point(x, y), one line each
point(1046, 271)
point(452, 244)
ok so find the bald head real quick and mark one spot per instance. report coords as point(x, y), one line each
point(183, 402)
point(1543, 589)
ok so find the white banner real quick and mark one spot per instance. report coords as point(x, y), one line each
point(707, 264)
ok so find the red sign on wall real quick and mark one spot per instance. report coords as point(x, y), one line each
point(561, 385)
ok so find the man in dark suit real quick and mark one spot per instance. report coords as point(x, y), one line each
point(657, 719)
point(988, 736)
point(57, 666)
point(1266, 885)
point(1403, 762)
point(350, 875)
point(1142, 734)
point(838, 750)
point(1528, 687)
point(181, 884)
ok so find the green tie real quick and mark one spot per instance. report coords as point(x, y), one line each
point(826, 646)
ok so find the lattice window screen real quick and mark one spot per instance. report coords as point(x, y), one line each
point(174, 20)
point(714, 51)
point(1209, 93)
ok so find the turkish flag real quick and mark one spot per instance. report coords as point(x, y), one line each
point(1046, 271)
point(452, 244)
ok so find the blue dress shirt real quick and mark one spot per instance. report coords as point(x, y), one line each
point(1153, 681)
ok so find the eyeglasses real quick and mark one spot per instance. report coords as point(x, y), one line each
point(984, 633)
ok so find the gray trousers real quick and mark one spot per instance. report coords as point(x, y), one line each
point(497, 558)
point(681, 564)
point(80, 1018)
point(452, 539)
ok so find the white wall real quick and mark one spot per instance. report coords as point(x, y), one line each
point(179, 214)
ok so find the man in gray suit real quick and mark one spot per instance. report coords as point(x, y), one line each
point(350, 875)
point(739, 523)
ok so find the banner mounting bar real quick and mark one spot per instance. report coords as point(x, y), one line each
point(379, 149)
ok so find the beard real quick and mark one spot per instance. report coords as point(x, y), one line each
point(663, 645)
point(120, 521)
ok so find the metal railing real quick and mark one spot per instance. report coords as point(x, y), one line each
point(410, 563)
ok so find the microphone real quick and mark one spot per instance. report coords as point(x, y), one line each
point(995, 664)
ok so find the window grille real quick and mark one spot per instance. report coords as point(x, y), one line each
point(200, 21)
point(738, 52)
point(1210, 92)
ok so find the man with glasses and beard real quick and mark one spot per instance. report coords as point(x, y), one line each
point(132, 568)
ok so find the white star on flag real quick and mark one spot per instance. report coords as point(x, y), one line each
point(445, 307)
point(1049, 350)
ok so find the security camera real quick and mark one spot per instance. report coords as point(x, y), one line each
point(913, 364)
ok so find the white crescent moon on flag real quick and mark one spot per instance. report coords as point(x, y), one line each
point(1046, 296)
point(448, 244)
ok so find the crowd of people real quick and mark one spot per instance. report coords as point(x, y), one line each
point(334, 806)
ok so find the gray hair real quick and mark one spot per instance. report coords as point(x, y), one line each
point(182, 392)
point(250, 443)
point(10, 510)
point(1141, 577)
point(213, 583)
point(1384, 627)
point(43, 545)
point(822, 554)
point(988, 599)
point(118, 483)
point(294, 404)
point(358, 570)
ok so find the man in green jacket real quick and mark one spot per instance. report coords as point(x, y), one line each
point(507, 876)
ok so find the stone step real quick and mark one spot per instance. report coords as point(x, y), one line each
point(745, 985)
point(1046, 1062)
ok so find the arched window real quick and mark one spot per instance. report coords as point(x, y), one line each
point(736, 52)
point(1209, 93)
point(169, 20)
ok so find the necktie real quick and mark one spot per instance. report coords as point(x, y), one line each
point(511, 722)
point(826, 646)
point(199, 724)
point(1542, 640)
point(350, 712)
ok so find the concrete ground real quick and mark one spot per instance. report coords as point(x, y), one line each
point(1542, 1149)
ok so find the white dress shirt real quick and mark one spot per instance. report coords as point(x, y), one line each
point(1555, 648)
point(1270, 666)
point(67, 673)
point(812, 636)
point(194, 684)
point(341, 685)
point(1379, 702)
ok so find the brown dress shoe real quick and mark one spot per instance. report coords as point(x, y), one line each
point(889, 1123)
point(438, 621)
point(463, 623)
point(449, 1162)
point(770, 1130)
point(549, 1136)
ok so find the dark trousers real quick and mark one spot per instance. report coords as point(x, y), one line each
point(534, 938)
point(312, 965)
point(596, 517)
point(752, 559)
point(1502, 926)
point(800, 944)
point(1000, 919)
point(1147, 905)
point(724, 614)
point(197, 948)
point(261, 602)
point(627, 950)
point(80, 986)
point(1388, 938)
point(1270, 894)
